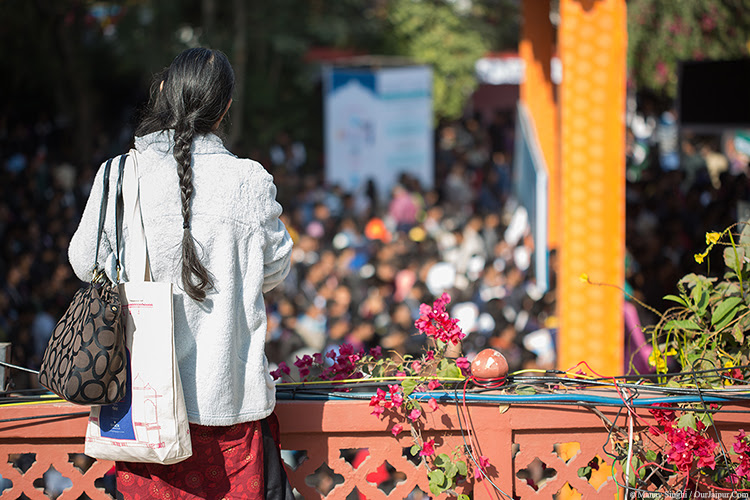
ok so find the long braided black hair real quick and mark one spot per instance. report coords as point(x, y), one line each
point(190, 98)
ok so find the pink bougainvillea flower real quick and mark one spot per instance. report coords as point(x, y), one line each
point(433, 404)
point(282, 369)
point(397, 397)
point(416, 366)
point(483, 462)
point(685, 446)
point(378, 397)
point(346, 349)
point(415, 414)
point(464, 365)
point(741, 444)
point(654, 430)
point(428, 448)
point(397, 429)
point(305, 361)
point(435, 322)
point(378, 411)
point(663, 417)
point(304, 372)
point(433, 384)
point(376, 352)
point(429, 355)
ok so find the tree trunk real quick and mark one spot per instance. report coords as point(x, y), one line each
point(208, 8)
point(76, 75)
point(239, 53)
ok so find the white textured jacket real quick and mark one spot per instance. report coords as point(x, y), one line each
point(235, 220)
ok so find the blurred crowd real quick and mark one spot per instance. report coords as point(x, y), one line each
point(364, 260)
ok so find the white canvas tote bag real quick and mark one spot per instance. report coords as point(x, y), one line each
point(150, 424)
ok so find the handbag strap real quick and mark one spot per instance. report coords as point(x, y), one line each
point(118, 214)
point(102, 213)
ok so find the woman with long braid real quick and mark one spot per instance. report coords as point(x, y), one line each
point(212, 228)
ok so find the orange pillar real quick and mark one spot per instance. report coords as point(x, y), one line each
point(538, 94)
point(592, 43)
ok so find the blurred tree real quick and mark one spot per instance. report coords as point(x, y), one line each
point(443, 35)
point(663, 32)
point(498, 22)
point(89, 63)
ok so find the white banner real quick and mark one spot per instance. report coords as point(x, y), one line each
point(378, 125)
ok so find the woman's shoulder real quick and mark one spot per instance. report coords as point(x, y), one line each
point(245, 168)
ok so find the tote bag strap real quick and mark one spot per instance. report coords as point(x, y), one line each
point(141, 270)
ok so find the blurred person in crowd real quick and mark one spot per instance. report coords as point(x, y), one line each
point(402, 209)
point(287, 153)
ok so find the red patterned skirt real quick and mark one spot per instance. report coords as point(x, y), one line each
point(234, 462)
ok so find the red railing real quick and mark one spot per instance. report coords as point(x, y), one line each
point(338, 449)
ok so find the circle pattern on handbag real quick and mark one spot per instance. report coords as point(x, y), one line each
point(84, 361)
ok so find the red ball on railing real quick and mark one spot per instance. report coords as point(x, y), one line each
point(489, 364)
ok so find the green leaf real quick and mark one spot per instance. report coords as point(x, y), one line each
point(692, 280)
point(451, 470)
point(408, 385)
point(651, 455)
point(705, 418)
point(738, 333)
point(463, 497)
point(675, 298)
point(448, 369)
point(725, 312)
point(442, 460)
point(637, 463)
point(682, 324)
point(673, 383)
point(584, 472)
point(701, 300)
point(734, 261)
point(526, 390)
point(437, 481)
point(415, 450)
point(686, 420)
point(463, 469)
point(410, 404)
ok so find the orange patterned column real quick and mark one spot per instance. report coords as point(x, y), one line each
point(592, 41)
point(538, 94)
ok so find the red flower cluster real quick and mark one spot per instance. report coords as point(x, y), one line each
point(428, 448)
point(435, 322)
point(686, 446)
point(382, 400)
point(342, 364)
point(742, 448)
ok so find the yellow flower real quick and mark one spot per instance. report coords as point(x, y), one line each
point(659, 360)
point(730, 365)
point(584, 277)
point(712, 238)
point(699, 257)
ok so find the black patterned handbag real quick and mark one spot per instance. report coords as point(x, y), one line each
point(85, 361)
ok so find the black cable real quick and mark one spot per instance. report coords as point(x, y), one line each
point(609, 436)
point(467, 447)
